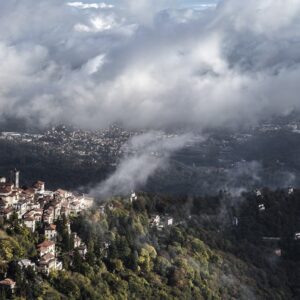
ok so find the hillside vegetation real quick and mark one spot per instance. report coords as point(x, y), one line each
point(203, 254)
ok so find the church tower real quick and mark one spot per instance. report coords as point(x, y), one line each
point(15, 178)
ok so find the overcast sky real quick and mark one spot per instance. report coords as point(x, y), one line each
point(147, 63)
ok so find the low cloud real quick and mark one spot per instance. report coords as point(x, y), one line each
point(146, 154)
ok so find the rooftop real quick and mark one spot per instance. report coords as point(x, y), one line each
point(7, 282)
point(45, 244)
point(51, 227)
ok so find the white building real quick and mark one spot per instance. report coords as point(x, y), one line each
point(50, 232)
point(82, 249)
point(46, 247)
point(258, 193)
point(39, 187)
point(20, 208)
point(278, 252)
point(49, 263)
point(48, 216)
point(169, 221)
point(133, 197)
point(30, 223)
point(155, 220)
point(102, 209)
point(77, 240)
point(8, 283)
point(25, 263)
point(86, 202)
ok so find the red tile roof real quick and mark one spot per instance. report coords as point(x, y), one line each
point(51, 227)
point(46, 258)
point(5, 189)
point(7, 282)
point(45, 244)
point(8, 210)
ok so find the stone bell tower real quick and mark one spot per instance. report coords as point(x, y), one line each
point(15, 178)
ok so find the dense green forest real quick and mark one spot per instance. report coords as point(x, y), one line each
point(219, 247)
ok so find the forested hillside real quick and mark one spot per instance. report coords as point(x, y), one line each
point(159, 247)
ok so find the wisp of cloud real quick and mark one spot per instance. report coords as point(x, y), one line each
point(146, 154)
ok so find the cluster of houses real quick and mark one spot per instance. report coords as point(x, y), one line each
point(156, 221)
point(160, 222)
point(36, 205)
point(262, 208)
point(271, 241)
point(47, 257)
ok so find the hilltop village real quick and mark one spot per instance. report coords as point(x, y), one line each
point(53, 239)
point(61, 246)
point(40, 210)
point(36, 206)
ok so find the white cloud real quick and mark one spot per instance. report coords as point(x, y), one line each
point(96, 24)
point(90, 5)
point(94, 64)
point(147, 153)
point(148, 66)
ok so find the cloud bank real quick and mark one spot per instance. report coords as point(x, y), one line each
point(148, 64)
